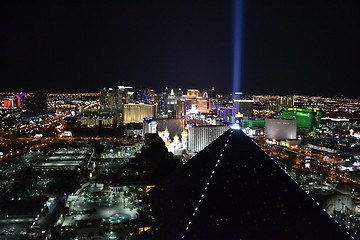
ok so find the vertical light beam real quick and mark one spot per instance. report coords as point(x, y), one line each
point(237, 43)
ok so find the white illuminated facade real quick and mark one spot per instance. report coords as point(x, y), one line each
point(280, 128)
point(150, 126)
point(200, 137)
point(135, 113)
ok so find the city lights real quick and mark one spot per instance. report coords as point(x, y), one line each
point(87, 140)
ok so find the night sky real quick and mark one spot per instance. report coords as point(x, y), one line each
point(289, 47)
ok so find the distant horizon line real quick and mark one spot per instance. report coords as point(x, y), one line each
point(183, 89)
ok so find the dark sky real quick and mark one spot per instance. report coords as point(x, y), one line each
point(289, 47)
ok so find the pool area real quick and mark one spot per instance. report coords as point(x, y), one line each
point(93, 202)
point(101, 202)
point(111, 235)
point(117, 218)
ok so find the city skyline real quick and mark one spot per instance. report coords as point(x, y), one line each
point(287, 48)
point(138, 164)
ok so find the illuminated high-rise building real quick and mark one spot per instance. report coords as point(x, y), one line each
point(196, 102)
point(281, 129)
point(284, 102)
point(149, 125)
point(136, 112)
point(193, 93)
point(142, 95)
point(19, 98)
point(112, 101)
point(226, 114)
point(170, 104)
point(201, 136)
point(244, 104)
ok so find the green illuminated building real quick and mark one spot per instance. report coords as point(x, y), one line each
point(253, 123)
point(307, 118)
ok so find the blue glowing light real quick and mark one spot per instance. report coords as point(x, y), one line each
point(237, 42)
point(153, 122)
point(235, 126)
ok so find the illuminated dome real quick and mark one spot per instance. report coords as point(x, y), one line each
point(338, 202)
point(341, 200)
point(343, 188)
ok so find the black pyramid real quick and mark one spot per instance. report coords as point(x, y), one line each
point(233, 190)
